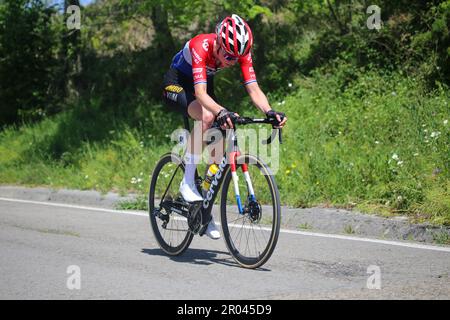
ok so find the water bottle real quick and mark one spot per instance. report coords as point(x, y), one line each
point(213, 168)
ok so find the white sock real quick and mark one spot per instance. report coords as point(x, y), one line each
point(191, 161)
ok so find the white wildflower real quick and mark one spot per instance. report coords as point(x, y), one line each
point(435, 134)
point(445, 122)
point(395, 156)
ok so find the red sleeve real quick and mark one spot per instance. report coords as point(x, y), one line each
point(199, 47)
point(248, 72)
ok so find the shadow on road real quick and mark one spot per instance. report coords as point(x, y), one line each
point(199, 256)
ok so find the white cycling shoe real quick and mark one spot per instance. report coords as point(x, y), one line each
point(189, 192)
point(212, 231)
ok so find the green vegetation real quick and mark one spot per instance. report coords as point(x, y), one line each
point(441, 237)
point(368, 109)
point(305, 226)
point(349, 229)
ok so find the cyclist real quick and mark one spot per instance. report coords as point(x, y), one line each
point(189, 88)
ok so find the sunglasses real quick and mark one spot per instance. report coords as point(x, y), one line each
point(229, 57)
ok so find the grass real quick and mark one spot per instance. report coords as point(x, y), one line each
point(305, 226)
point(140, 203)
point(441, 237)
point(348, 229)
point(379, 143)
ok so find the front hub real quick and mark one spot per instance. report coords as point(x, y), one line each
point(253, 209)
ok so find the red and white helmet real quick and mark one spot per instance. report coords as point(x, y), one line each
point(234, 36)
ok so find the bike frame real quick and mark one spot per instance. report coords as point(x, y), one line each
point(218, 178)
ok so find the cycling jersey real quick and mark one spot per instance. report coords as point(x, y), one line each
point(196, 60)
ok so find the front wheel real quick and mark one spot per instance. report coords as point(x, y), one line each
point(251, 236)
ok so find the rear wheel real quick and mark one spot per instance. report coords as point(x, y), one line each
point(170, 229)
point(251, 237)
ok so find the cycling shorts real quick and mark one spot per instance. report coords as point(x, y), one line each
point(178, 91)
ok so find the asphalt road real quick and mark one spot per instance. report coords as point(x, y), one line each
point(118, 258)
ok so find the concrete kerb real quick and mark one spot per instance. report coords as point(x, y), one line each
point(325, 220)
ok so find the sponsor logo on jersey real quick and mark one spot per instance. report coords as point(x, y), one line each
point(197, 58)
point(251, 69)
point(197, 70)
point(205, 45)
point(198, 76)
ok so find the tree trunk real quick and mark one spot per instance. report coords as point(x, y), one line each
point(163, 38)
point(70, 54)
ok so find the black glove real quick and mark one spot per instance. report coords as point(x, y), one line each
point(272, 115)
point(223, 115)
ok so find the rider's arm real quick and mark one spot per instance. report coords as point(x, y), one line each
point(260, 101)
point(258, 97)
point(205, 100)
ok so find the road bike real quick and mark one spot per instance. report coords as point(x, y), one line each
point(249, 203)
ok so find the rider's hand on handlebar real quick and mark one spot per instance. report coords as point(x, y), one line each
point(225, 118)
point(279, 116)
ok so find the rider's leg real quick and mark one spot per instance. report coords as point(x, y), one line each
point(194, 149)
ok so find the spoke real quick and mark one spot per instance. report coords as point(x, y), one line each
point(264, 232)
point(246, 246)
point(237, 219)
point(256, 240)
point(243, 222)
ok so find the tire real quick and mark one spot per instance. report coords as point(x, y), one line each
point(267, 226)
point(176, 238)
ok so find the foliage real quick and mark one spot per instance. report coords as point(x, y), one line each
point(28, 67)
